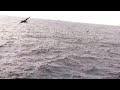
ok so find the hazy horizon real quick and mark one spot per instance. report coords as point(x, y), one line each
point(95, 17)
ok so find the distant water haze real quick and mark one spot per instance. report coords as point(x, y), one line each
point(95, 17)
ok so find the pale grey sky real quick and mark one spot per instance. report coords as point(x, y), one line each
point(97, 17)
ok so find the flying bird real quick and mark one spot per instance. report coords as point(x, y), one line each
point(25, 21)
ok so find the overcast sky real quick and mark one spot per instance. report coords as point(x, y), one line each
point(97, 17)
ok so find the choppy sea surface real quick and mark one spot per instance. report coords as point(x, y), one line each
point(51, 49)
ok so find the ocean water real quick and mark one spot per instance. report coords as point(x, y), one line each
point(51, 49)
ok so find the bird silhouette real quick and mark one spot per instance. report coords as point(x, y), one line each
point(25, 21)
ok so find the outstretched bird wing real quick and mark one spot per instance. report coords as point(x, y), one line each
point(24, 20)
point(27, 19)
